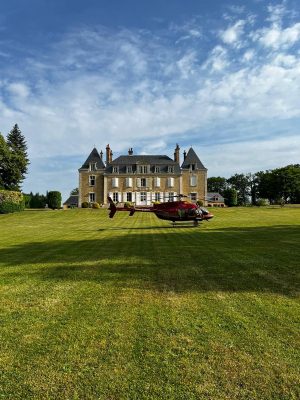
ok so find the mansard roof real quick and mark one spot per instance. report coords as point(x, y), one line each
point(162, 161)
point(192, 158)
point(94, 157)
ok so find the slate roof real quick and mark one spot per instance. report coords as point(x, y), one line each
point(153, 160)
point(72, 200)
point(192, 158)
point(211, 195)
point(93, 157)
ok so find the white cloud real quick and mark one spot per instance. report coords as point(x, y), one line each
point(19, 89)
point(277, 37)
point(232, 34)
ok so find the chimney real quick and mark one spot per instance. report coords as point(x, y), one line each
point(184, 155)
point(108, 155)
point(101, 155)
point(176, 154)
point(130, 152)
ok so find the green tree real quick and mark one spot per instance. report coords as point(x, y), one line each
point(216, 184)
point(18, 158)
point(54, 199)
point(230, 196)
point(74, 191)
point(240, 183)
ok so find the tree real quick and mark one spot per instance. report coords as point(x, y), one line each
point(18, 158)
point(240, 183)
point(216, 184)
point(230, 196)
point(4, 156)
point(74, 192)
point(54, 199)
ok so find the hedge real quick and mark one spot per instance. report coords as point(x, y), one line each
point(11, 201)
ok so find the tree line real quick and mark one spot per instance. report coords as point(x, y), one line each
point(277, 186)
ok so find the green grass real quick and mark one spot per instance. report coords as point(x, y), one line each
point(131, 308)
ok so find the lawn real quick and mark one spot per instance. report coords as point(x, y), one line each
point(132, 308)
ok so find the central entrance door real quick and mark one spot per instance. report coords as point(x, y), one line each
point(143, 198)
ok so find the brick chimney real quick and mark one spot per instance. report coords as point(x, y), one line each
point(130, 152)
point(108, 155)
point(176, 154)
point(184, 155)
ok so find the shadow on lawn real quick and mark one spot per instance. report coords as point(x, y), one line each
point(229, 259)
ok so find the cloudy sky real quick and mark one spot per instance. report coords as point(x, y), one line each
point(221, 76)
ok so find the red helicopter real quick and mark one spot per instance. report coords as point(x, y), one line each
point(172, 211)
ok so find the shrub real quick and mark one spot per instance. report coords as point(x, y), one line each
point(54, 199)
point(85, 204)
point(200, 203)
point(128, 204)
point(11, 201)
point(262, 202)
point(230, 196)
point(95, 205)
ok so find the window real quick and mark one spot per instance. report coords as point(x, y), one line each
point(170, 182)
point(129, 169)
point(170, 169)
point(157, 182)
point(143, 196)
point(194, 196)
point(171, 196)
point(129, 196)
point(92, 180)
point(115, 169)
point(143, 182)
point(192, 167)
point(143, 169)
point(115, 182)
point(157, 169)
point(128, 182)
point(92, 197)
point(116, 197)
point(193, 180)
point(157, 196)
point(93, 166)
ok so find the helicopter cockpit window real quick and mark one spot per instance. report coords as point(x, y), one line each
point(204, 210)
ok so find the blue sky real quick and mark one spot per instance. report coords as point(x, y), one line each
point(221, 76)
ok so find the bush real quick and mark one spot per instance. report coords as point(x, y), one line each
point(262, 202)
point(54, 199)
point(95, 205)
point(11, 201)
point(200, 203)
point(85, 204)
point(128, 204)
point(230, 196)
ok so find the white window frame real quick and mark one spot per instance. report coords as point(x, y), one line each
point(171, 196)
point(92, 180)
point(143, 196)
point(92, 197)
point(128, 182)
point(129, 196)
point(157, 196)
point(157, 169)
point(115, 182)
point(129, 169)
point(93, 166)
point(193, 196)
point(157, 182)
point(193, 180)
point(115, 170)
point(171, 169)
point(143, 182)
point(171, 182)
point(116, 197)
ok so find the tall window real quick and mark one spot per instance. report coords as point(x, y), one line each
point(129, 196)
point(116, 169)
point(157, 169)
point(193, 180)
point(129, 169)
point(93, 166)
point(157, 196)
point(171, 196)
point(143, 196)
point(143, 182)
point(157, 182)
point(92, 197)
point(194, 196)
point(143, 169)
point(116, 197)
point(92, 180)
point(115, 182)
point(170, 182)
point(170, 169)
point(128, 182)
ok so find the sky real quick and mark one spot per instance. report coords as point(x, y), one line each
point(220, 76)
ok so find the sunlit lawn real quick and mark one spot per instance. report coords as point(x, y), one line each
point(132, 308)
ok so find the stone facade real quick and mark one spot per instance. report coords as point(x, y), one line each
point(141, 179)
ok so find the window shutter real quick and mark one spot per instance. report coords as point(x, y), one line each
point(115, 182)
point(170, 182)
point(157, 182)
point(133, 196)
point(138, 182)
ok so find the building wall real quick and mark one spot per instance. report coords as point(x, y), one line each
point(201, 183)
point(85, 188)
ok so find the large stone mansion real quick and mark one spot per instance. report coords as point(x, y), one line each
point(141, 179)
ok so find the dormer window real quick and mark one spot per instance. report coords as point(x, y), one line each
point(93, 166)
point(171, 169)
point(143, 169)
point(129, 169)
point(192, 167)
point(156, 169)
point(115, 170)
